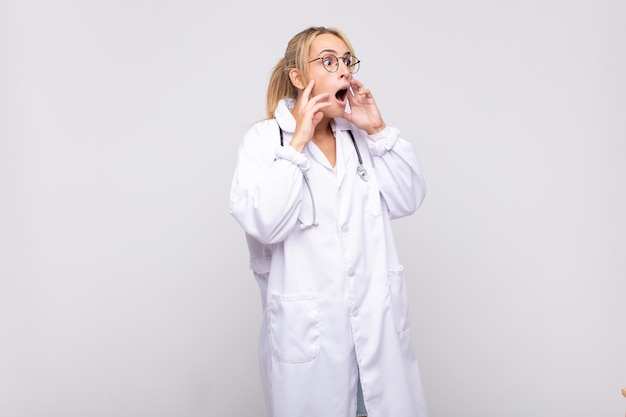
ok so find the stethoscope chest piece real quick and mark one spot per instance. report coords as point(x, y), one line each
point(362, 172)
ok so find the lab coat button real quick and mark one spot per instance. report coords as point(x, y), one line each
point(351, 272)
point(344, 228)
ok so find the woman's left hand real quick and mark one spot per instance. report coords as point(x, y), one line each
point(364, 112)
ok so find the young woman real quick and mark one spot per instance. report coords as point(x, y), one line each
point(315, 187)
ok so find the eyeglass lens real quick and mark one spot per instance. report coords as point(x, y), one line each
point(331, 63)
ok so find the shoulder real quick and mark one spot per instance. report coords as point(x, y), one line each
point(262, 127)
point(260, 140)
point(263, 131)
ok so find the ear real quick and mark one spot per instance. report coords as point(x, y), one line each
point(296, 79)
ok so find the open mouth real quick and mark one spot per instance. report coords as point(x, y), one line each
point(341, 94)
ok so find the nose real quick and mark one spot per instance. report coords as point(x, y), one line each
point(344, 69)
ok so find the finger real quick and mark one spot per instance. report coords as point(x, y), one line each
point(317, 117)
point(319, 106)
point(320, 98)
point(316, 103)
point(306, 93)
point(356, 85)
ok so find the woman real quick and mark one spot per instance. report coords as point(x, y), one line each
point(315, 187)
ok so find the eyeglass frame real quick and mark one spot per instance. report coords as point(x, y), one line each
point(337, 58)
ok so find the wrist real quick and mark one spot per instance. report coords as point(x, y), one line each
point(376, 129)
point(297, 144)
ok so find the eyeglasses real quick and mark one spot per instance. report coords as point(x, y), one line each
point(331, 62)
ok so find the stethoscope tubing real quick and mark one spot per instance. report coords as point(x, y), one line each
point(360, 169)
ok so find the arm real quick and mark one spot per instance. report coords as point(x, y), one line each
point(395, 162)
point(266, 189)
point(398, 171)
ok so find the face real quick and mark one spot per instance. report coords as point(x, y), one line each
point(337, 83)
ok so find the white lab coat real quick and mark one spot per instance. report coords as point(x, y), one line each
point(334, 297)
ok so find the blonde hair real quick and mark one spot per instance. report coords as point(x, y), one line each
point(296, 56)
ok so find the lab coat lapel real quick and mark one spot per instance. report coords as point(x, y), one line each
point(315, 153)
point(340, 165)
point(344, 147)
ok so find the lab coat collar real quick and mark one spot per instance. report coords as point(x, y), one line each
point(342, 124)
point(283, 115)
point(339, 125)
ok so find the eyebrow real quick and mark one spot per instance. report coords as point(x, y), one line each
point(333, 52)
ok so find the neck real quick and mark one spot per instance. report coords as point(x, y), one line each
point(324, 138)
point(323, 132)
point(323, 128)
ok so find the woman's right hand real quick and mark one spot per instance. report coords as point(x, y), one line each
point(307, 112)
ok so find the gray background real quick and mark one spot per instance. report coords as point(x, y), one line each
point(124, 288)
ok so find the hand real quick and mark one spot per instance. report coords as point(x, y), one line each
point(364, 112)
point(308, 114)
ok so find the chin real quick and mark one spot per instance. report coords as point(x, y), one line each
point(335, 111)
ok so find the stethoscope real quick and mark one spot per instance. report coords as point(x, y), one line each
point(360, 170)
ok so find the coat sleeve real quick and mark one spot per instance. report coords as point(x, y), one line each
point(266, 190)
point(399, 172)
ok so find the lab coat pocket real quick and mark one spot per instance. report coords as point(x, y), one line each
point(399, 299)
point(294, 327)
